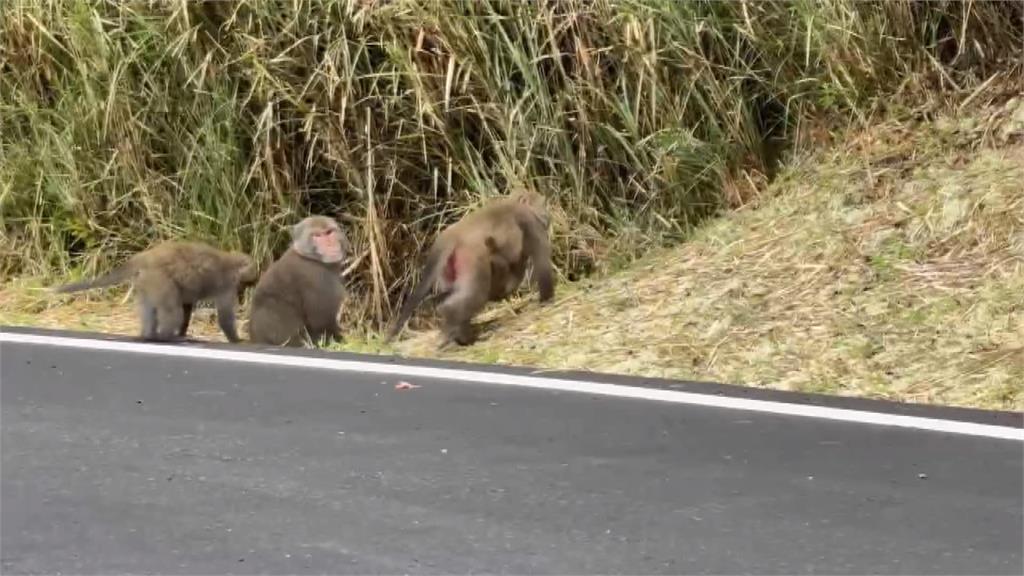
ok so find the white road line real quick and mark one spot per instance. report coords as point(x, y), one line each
point(617, 390)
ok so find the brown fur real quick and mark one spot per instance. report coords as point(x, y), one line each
point(506, 276)
point(300, 295)
point(171, 277)
point(489, 250)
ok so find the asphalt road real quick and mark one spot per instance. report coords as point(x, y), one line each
point(127, 462)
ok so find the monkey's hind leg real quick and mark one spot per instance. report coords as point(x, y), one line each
point(274, 324)
point(147, 318)
point(168, 322)
point(162, 309)
point(226, 316)
point(186, 311)
point(328, 336)
point(160, 323)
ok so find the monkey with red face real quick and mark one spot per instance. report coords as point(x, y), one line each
point(298, 299)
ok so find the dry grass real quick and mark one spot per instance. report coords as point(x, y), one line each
point(891, 268)
point(125, 123)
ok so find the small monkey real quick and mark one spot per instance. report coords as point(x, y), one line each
point(301, 293)
point(483, 258)
point(171, 277)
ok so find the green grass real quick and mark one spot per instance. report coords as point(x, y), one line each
point(128, 122)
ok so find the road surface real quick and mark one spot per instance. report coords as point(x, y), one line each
point(213, 459)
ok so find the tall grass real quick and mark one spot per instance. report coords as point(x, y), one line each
point(126, 122)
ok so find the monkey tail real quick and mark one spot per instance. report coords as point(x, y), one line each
point(427, 278)
point(115, 276)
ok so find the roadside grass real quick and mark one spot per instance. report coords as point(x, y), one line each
point(126, 123)
point(890, 266)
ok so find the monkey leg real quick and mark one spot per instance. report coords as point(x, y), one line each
point(147, 317)
point(159, 295)
point(322, 329)
point(275, 325)
point(160, 323)
point(168, 322)
point(333, 334)
point(513, 278)
point(186, 311)
point(499, 274)
point(226, 316)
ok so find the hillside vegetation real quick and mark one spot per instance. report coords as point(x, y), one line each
point(890, 267)
point(128, 122)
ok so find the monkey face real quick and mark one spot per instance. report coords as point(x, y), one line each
point(330, 244)
point(320, 238)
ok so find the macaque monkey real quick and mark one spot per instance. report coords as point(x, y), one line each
point(301, 293)
point(171, 277)
point(483, 258)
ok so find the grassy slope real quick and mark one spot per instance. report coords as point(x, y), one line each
point(891, 266)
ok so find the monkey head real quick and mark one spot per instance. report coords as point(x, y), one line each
point(320, 238)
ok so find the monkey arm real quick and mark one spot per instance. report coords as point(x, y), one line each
point(538, 247)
